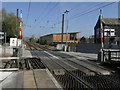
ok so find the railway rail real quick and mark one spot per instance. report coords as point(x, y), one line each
point(33, 63)
point(9, 64)
point(35, 46)
point(76, 79)
point(92, 81)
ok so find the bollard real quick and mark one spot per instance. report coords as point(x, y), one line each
point(65, 48)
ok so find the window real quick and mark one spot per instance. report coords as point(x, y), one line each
point(109, 32)
point(72, 36)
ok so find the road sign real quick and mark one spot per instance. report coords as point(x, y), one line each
point(13, 41)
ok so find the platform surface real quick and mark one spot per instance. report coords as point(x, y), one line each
point(43, 80)
point(29, 81)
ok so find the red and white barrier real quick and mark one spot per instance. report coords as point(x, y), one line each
point(101, 26)
point(20, 28)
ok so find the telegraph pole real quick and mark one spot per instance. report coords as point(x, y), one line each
point(62, 27)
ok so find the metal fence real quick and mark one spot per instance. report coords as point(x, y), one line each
point(111, 55)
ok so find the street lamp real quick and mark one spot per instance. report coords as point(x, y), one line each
point(63, 29)
point(67, 28)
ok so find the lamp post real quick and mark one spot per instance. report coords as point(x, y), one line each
point(62, 27)
point(67, 28)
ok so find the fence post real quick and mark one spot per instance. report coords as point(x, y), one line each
point(109, 53)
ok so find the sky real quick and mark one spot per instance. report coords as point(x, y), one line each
point(42, 18)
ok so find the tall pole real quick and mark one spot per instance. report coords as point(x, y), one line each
point(62, 28)
point(101, 26)
point(67, 32)
point(20, 26)
point(17, 24)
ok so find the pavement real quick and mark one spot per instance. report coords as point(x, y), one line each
point(82, 55)
point(4, 75)
point(14, 80)
point(37, 78)
point(44, 79)
point(29, 81)
point(27, 54)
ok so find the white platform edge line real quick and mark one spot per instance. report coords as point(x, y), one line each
point(54, 80)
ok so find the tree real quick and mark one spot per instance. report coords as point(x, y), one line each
point(32, 39)
point(9, 24)
point(83, 40)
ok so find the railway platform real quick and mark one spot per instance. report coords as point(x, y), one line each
point(38, 78)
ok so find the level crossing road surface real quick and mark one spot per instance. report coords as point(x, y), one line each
point(57, 62)
point(86, 63)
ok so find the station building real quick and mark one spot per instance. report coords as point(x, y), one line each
point(111, 31)
point(53, 39)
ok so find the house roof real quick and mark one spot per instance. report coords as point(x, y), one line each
point(65, 33)
point(114, 21)
point(59, 33)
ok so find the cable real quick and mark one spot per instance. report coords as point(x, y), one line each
point(91, 11)
point(47, 13)
point(28, 13)
point(91, 7)
point(88, 11)
point(83, 11)
point(43, 12)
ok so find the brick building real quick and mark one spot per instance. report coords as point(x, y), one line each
point(111, 29)
point(54, 39)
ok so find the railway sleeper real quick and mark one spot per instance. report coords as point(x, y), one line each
point(35, 63)
point(98, 81)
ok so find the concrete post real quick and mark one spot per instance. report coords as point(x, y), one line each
point(62, 28)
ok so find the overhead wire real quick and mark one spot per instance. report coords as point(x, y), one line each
point(48, 13)
point(87, 12)
point(28, 13)
point(43, 12)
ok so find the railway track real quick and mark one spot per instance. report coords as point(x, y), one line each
point(9, 64)
point(71, 80)
point(81, 63)
point(91, 81)
point(35, 46)
point(33, 63)
point(76, 79)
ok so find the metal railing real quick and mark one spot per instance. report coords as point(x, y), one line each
point(111, 55)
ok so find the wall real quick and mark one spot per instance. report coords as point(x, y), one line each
point(58, 37)
point(6, 51)
point(46, 39)
point(92, 48)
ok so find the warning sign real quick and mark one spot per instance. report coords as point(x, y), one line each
point(13, 41)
